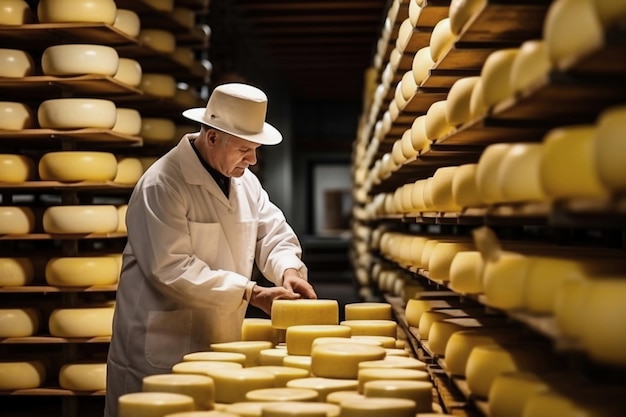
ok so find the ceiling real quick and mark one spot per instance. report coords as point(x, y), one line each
point(317, 49)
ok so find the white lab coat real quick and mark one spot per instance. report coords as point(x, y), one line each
point(186, 265)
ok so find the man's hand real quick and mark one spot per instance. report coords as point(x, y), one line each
point(263, 297)
point(292, 280)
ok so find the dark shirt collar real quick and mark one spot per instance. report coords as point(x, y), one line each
point(222, 180)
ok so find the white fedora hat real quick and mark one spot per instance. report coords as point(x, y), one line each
point(237, 109)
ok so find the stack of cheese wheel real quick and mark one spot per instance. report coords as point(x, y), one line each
point(250, 348)
point(199, 387)
point(16, 272)
point(16, 220)
point(299, 338)
point(18, 322)
point(16, 169)
point(341, 360)
point(76, 113)
point(83, 271)
point(79, 59)
point(75, 166)
point(16, 375)
point(15, 13)
point(83, 11)
point(403, 374)
point(83, 376)
point(79, 219)
point(81, 322)
point(15, 63)
point(154, 404)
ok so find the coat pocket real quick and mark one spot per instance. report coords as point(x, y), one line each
point(205, 241)
point(168, 337)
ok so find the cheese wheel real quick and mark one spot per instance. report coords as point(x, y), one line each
point(466, 272)
point(519, 175)
point(79, 59)
point(477, 103)
point(232, 385)
point(199, 387)
point(324, 386)
point(287, 313)
point(127, 22)
point(246, 408)
point(127, 122)
point(129, 72)
point(419, 391)
point(372, 327)
point(298, 361)
point(158, 85)
point(422, 64)
point(544, 277)
point(76, 113)
point(299, 338)
point(431, 316)
point(282, 394)
point(441, 258)
point(441, 331)
point(568, 168)
point(457, 109)
point(341, 360)
point(487, 172)
point(404, 34)
point(441, 39)
point(16, 220)
point(531, 65)
point(441, 190)
point(461, 343)
point(250, 348)
point(83, 376)
point(496, 76)
point(259, 329)
point(272, 357)
point(203, 367)
point(153, 404)
point(16, 272)
point(569, 303)
point(283, 374)
point(367, 340)
point(76, 11)
point(83, 271)
point(16, 375)
point(408, 86)
point(157, 130)
point(436, 124)
point(338, 397)
point(16, 169)
point(403, 353)
point(15, 63)
point(373, 374)
point(389, 407)
point(571, 29)
point(15, 116)
point(15, 13)
point(161, 5)
point(396, 153)
point(504, 281)
point(462, 11)
point(406, 145)
point(415, 10)
point(81, 322)
point(160, 40)
point(129, 170)
point(235, 357)
point(367, 311)
point(18, 322)
point(80, 219)
point(73, 166)
point(394, 362)
point(294, 408)
point(609, 148)
point(510, 391)
point(185, 16)
point(416, 307)
point(399, 99)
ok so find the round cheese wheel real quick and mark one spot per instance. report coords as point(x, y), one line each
point(272, 357)
point(504, 281)
point(153, 404)
point(370, 407)
point(458, 101)
point(568, 168)
point(127, 22)
point(160, 40)
point(460, 345)
point(496, 76)
point(395, 362)
point(287, 313)
point(79, 59)
point(441, 258)
point(419, 391)
point(462, 11)
point(415, 10)
point(158, 85)
point(282, 394)
point(250, 348)
point(396, 153)
point(16, 272)
point(408, 86)
point(199, 387)
point(15, 63)
point(15, 375)
point(415, 307)
point(83, 271)
point(129, 170)
point(15, 116)
point(406, 146)
point(324, 386)
point(15, 13)
point(218, 356)
point(83, 376)
point(372, 327)
point(202, 367)
point(161, 5)
point(519, 175)
point(417, 201)
point(338, 397)
point(232, 385)
point(72, 166)
point(404, 34)
point(466, 271)
point(80, 219)
point(129, 72)
point(127, 122)
point(283, 374)
point(436, 124)
point(441, 39)
point(76, 113)
point(18, 322)
point(341, 360)
point(367, 311)
point(76, 11)
point(259, 329)
point(298, 361)
point(510, 391)
point(299, 338)
point(399, 100)
point(185, 16)
point(609, 147)
point(441, 190)
point(16, 220)
point(429, 317)
point(385, 341)
point(291, 408)
point(81, 322)
point(531, 65)
point(373, 374)
point(487, 172)
point(422, 64)
point(477, 103)
point(16, 169)
point(157, 130)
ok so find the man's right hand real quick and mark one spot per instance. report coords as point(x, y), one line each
point(263, 297)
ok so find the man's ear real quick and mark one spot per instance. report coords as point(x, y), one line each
point(212, 137)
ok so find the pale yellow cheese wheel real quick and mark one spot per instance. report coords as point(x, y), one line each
point(569, 303)
point(160, 40)
point(81, 322)
point(519, 175)
point(121, 218)
point(531, 65)
point(79, 59)
point(203, 367)
point(199, 387)
point(299, 338)
point(436, 124)
point(405, 32)
point(487, 172)
point(128, 22)
point(245, 408)
point(16, 272)
point(462, 11)
point(272, 357)
point(76, 113)
point(16, 375)
point(397, 154)
point(298, 361)
point(80, 219)
point(287, 313)
point(372, 327)
point(466, 272)
point(157, 130)
point(341, 360)
point(441, 331)
point(259, 329)
point(460, 345)
point(15, 116)
point(283, 374)
point(368, 340)
point(416, 307)
point(441, 39)
point(294, 408)
point(231, 385)
point(82, 271)
point(185, 16)
point(504, 281)
point(415, 10)
point(282, 394)
point(158, 85)
point(127, 122)
point(129, 170)
point(422, 64)
point(394, 362)
point(464, 187)
point(510, 391)
point(16, 169)
point(374, 407)
point(73, 166)
point(419, 391)
point(427, 195)
point(408, 85)
point(324, 386)
point(236, 357)
point(129, 72)
point(372, 374)
point(398, 99)
point(83, 376)
point(568, 167)
point(367, 311)
point(458, 101)
point(429, 317)
point(15, 63)
point(250, 348)
point(442, 256)
point(15, 13)
point(78, 11)
point(441, 190)
point(406, 145)
point(161, 5)
point(153, 404)
point(609, 148)
point(496, 75)
point(338, 397)
point(16, 220)
point(18, 322)
point(477, 103)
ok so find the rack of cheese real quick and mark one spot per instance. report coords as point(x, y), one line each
point(489, 189)
point(92, 93)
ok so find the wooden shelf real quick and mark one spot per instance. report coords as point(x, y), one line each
point(49, 289)
point(57, 392)
point(54, 340)
point(29, 186)
point(39, 36)
point(46, 136)
point(46, 236)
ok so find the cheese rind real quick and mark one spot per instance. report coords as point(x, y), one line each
point(231, 385)
point(15, 116)
point(81, 322)
point(367, 311)
point(16, 169)
point(18, 322)
point(341, 360)
point(83, 376)
point(372, 374)
point(82, 271)
point(17, 375)
point(609, 148)
point(15, 63)
point(495, 76)
point(16, 272)
point(76, 113)
point(128, 22)
point(199, 387)
point(75, 166)
point(80, 219)
point(79, 59)
point(458, 101)
point(160, 40)
point(287, 313)
point(76, 11)
point(372, 327)
point(419, 391)
point(16, 220)
point(299, 338)
point(153, 404)
point(129, 72)
point(235, 357)
point(250, 348)
point(282, 394)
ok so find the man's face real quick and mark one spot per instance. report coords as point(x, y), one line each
point(235, 155)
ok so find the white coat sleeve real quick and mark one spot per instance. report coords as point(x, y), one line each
point(158, 233)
